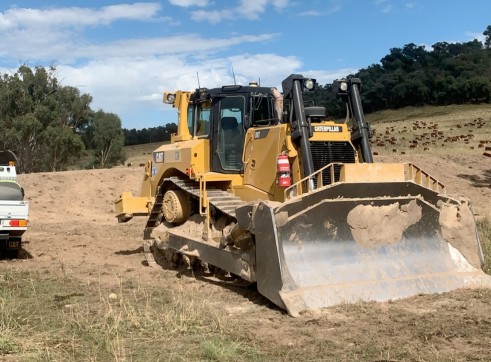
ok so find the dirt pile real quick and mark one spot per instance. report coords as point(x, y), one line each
point(378, 225)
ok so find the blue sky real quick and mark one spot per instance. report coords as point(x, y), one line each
point(125, 54)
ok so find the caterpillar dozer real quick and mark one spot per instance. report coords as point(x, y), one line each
point(261, 185)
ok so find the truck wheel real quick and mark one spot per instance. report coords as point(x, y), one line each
point(176, 208)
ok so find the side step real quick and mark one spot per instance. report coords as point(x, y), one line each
point(221, 200)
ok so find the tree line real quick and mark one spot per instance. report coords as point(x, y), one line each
point(51, 127)
point(448, 73)
point(149, 135)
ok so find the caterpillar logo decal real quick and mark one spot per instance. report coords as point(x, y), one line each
point(327, 129)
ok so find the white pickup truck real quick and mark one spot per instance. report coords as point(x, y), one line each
point(14, 211)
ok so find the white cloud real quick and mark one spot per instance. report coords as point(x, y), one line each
point(280, 4)
point(212, 16)
point(54, 34)
point(311, 13)
point(270, 69)
point(189, 3)
point(64, 48)
point(384, 5)
point(123, 86)
point(387, 9)
point(479, 36)
point(129, 89)
point(327, 76)
point(246, 9)
point(27, 18)
point(334, 7)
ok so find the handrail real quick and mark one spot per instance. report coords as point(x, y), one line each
point(306, 183)
point(422, 178)
point(411, 173)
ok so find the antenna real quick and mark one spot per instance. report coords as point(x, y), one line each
point(197, 77)
point(233, 73)
point(259, 81)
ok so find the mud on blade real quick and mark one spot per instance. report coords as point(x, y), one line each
point(374, 249)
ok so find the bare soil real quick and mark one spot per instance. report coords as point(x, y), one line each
point(73, 229)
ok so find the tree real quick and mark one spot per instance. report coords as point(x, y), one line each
point(20, 95)
point(23, 137)
point(72, 108)
point(61, 147)
point(108, 139)
point(487, 34)
point(42, 121)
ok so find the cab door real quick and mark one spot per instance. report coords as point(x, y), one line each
point(228, 139)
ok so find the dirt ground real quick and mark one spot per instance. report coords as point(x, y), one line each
point(73, 228)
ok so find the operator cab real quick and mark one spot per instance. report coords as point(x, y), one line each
point(223, 116)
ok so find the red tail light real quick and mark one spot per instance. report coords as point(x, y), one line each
point(17, 223)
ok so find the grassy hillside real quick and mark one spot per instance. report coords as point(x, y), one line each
point(139, 154)
point(455, 129)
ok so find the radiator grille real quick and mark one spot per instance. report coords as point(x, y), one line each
point(324, 153)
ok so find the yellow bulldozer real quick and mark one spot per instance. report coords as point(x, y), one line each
point(260, 185)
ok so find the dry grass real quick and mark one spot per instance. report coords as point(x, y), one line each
point(449, 130)
point(484, 228)
point(48, 317)
point(52, 317)
point(139, 154)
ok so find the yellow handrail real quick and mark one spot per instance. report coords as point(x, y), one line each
point(298, 188)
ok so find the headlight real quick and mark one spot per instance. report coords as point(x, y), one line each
point(158, 157)
point(169, 98)
point(309, 84)
point(202, 93)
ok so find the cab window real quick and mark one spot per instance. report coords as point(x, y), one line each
point(191, 119)
point(203, 119)
point(262, 111)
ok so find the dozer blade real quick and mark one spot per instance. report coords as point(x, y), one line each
point(317, 252)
